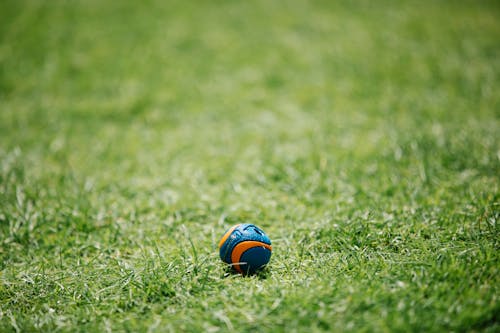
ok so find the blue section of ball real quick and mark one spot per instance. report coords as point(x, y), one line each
point(228, 246)
point(255, 258)
point(246, 232)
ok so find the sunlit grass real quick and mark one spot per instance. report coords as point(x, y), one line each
point(362, 137)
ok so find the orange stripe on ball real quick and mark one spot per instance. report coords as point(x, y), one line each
point(226, 235)
point(242, 247)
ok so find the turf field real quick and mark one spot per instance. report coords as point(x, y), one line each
point(362, 136)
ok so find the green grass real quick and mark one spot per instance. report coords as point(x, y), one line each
point(363, 137)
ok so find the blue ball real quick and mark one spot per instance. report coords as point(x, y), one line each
point(246, 248)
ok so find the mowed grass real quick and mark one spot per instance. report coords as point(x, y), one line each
point(363, 137)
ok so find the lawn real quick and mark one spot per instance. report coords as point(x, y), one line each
point(362, 136)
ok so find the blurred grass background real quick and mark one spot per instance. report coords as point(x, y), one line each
point(362, 136)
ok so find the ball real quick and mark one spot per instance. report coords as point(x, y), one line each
point(246, 248)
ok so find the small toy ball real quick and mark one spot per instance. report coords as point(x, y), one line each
point(246, 248)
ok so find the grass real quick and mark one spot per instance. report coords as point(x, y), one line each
point(363, 137)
